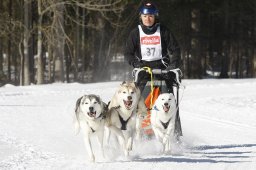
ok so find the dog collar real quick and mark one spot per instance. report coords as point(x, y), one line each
point(155, 108)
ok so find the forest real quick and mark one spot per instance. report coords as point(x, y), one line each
point(46, 41)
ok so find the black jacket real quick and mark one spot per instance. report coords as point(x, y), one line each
point(170, 49)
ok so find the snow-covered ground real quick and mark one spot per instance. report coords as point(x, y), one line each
point(218, 119)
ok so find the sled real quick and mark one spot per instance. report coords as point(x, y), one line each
point(152, 90)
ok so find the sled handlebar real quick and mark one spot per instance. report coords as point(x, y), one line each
point(177, 73)
point(159, 71)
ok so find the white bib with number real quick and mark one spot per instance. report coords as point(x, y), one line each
point(150, 45)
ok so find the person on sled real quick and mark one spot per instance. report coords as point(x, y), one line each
point(152, 45)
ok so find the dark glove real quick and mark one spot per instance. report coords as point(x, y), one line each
point(137, 64)
point(172, 76)
point(166, 61)
point(169, 76)
point(171, 67)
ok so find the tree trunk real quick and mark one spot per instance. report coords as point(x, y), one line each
point(67, 59)
point(225, 45)
point(83, 53)
point(186, 46)
point(21, 64)
point(9, 52)
point(77, 53)
point(232, 59)
point(27, 24)
point(253, 58)
point(60, 42)
point(50, 61)
point(1, 51)
point(1, 60)
point(99, 51)
point(195, 44)
point(254, 63)
point(40, 67)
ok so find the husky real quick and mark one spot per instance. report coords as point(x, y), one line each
point(162, 119)
point(125, 109)
point(89, 116)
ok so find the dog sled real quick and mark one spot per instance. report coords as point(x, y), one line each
point(154, 87)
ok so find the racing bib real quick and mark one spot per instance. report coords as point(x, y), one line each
point(150, 45)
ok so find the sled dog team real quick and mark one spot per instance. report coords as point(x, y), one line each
point(122, 117)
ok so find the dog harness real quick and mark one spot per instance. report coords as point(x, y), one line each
point(165, 125)
point(92, 130)
point(100, 116)
point(123, 122)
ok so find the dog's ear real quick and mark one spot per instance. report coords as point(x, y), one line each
point(98, 99)
point(102, 104)
point(124, 82)
point(104, 109)
point(114, 101)
point(138, 92)
point(136, 84)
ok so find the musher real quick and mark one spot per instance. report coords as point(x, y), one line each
point(151, 44)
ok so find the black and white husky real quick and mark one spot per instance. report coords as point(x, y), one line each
point(125, 110)
point(162, 119)
point(90, 118)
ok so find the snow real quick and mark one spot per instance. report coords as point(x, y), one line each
point(218, 119)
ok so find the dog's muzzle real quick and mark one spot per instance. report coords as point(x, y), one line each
point(127, 103)
point(91, 112)
point(166, 107)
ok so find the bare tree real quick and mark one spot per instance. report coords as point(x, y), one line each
point(27, 29)
point(195, 63)
point(226, 43)
point(1, 60)
point(9, 43)
point(59, 39)
point(253, 57)
point(40, 67)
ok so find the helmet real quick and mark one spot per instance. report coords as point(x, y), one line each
point(149, 8)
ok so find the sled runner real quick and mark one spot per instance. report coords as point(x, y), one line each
point(154, 87)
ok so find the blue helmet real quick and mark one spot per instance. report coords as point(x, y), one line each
point(149, 8)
